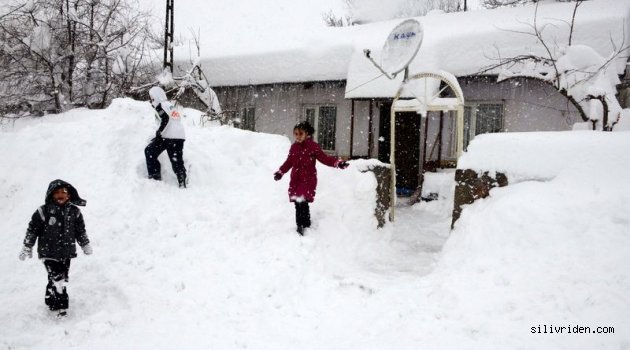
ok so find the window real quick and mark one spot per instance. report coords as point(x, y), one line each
point(326, 127)
point(489, 118)
point(309, 115)
point(248, 120)
point(482, 118)
point(324, 120)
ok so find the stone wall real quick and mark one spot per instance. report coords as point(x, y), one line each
point(470, 186)
point(383, 200)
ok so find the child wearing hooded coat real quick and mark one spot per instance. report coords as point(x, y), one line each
point(301, 161)
point(56, 226)
point(170, 136)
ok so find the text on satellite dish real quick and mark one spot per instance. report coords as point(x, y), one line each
point(404, 35)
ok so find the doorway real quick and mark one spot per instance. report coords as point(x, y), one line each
point(407, 148)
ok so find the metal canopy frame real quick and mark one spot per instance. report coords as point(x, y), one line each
point(425, 103)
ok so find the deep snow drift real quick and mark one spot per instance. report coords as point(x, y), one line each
point(218, 265)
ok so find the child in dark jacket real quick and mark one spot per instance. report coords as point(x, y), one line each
point(301, 159)
point(56, 226)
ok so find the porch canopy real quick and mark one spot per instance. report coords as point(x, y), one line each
point(421, 94)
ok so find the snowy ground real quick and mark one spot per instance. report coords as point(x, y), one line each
point(218, 265)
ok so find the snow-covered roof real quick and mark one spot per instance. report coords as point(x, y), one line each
point(465, 42)
point(461, 43)
point(291, 65)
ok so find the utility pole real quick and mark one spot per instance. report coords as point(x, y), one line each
point(168, 35)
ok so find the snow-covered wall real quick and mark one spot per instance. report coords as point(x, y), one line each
point(545, 155)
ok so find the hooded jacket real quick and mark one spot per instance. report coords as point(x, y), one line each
point(171, 126)
point(56, 228)
point(301, 161)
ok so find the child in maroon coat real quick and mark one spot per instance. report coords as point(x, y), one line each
point(302, 155)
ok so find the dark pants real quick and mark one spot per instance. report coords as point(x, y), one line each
point(175, 150)
point(56, 295)
point(302, 214)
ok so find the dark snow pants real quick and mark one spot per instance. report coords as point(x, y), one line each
point(175, 150)
point(56, 295)
point(302, 214)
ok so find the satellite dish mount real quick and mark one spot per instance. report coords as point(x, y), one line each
point(399, 49)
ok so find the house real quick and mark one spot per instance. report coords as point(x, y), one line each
point(329, 81)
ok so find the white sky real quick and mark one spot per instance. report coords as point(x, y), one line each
point(240, 25)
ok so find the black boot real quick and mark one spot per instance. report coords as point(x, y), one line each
point(56, 295)
point(181, 179)
point(300, 230)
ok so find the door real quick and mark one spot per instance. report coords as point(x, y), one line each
point(407, 148)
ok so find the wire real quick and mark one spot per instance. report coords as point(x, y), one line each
point(367, 82)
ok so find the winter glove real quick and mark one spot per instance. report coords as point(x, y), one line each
point(87, 249)
point(277, 175)
point(27, 252)
point(343, 164)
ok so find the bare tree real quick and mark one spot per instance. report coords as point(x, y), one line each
point(332, 20)
point(550, 66)
point(61, 53)
point(362, 11)
point(115, 48)
point(492, 4)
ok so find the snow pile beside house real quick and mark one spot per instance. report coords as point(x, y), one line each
point(546, 155)
point(549, 251)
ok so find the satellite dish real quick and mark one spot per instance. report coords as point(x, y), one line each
point(401, 46)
